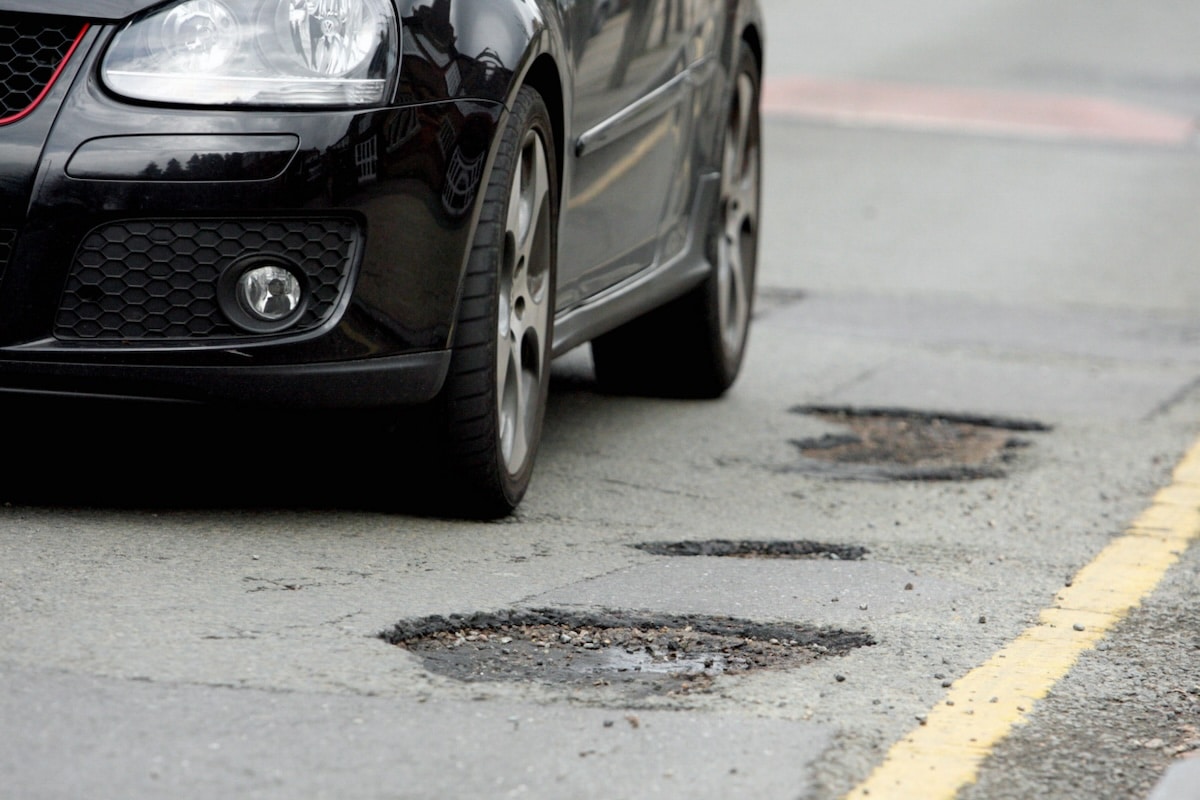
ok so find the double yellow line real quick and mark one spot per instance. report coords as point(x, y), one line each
point(937, 759)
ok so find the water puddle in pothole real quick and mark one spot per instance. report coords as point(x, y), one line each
point(898, 445)
point(643, 654)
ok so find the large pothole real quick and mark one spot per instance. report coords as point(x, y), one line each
point(645, 654)
point(900, 445)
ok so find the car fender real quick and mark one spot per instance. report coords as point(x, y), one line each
point(480, 53)
point(489, 46)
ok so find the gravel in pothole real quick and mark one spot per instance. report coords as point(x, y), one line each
point(647, 654)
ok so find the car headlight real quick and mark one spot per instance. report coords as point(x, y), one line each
point(258, 52)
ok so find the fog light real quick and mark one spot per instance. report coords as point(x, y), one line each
point(263, 293)
point(269, 293)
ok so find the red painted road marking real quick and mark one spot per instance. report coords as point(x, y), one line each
point(982, 111)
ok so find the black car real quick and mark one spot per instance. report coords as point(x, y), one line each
point(379, 204)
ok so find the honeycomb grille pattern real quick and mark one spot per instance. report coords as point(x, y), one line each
point(156, 280)
point(32, 48)
point(8, 240)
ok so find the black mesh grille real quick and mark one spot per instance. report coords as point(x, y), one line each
point(8, 240)
point(32, 49)
point(156, 280)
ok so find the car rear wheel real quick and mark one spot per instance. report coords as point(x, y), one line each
point(693, 347)
point(494, 400)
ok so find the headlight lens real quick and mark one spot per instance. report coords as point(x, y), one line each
point(258, 52)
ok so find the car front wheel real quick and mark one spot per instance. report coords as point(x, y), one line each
point(494, 400)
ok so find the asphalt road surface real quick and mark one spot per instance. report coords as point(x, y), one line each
point(937, 542)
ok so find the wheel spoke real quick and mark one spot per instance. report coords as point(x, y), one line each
point(744, 113)
point(733, 290)
point(515, 225)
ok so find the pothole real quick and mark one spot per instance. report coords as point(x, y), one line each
point(644, 654)
point(724, 548)
point(899, 445)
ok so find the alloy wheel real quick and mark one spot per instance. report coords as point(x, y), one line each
point(524, 304)
point(737, 248)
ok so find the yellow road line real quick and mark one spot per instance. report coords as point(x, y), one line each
point(943, 755)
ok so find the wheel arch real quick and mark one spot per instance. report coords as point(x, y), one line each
point(543, 76)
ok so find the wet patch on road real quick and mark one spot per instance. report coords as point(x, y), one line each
point(646, 654)
point(902, 445)
point(724, 548)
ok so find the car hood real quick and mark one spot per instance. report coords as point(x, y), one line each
point(92, 9)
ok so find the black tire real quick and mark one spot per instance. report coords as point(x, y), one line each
point(693, 347)
point(491, 408)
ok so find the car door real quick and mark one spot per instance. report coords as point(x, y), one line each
point(631, 124)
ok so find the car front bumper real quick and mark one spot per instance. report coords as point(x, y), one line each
point(120, 223)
